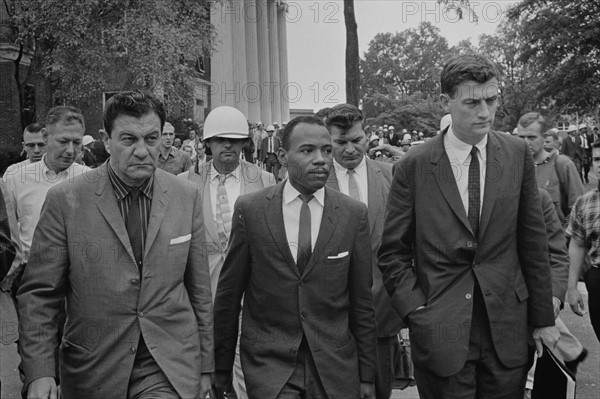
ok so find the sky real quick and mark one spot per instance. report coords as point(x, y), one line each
point(316, 37)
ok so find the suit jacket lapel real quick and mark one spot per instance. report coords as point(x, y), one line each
point(445, 179)
point(274, 216)
point(160, 200)
point(328, 224)
point(494, 168)
point(375, 191)
point(107, 205)
point(209, 219)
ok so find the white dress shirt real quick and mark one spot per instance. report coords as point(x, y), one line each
point(232, 185)
point(27, 185)
point(459, 154)
point(360, 174)
point(291, 215)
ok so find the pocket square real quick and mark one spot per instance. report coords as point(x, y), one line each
point(181, 239)
point(338, 256)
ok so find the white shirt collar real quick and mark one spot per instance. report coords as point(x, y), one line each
point(214, 173)
point(49, 172)
point(290, 194)
point(360, 170)
point(462, 150)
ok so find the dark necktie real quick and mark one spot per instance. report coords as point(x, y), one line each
point(304, 239)
point(134, 227)
point(474, 192)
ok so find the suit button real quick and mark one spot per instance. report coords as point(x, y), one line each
point(303, 316)
point(140, 314)
point(132, 350)
point(293, 351)
point(468, 296)
point(301, 283)
point(475, 265)
point(134, 281)
point(469, 244)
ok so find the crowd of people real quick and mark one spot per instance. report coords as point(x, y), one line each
point(289, 262)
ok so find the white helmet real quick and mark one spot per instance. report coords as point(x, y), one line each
point(226, 122)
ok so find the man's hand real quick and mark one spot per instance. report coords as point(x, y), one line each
point(222, 385)
point(575, 301)
point(42, 388)
point(556, 304)
point(546, 335)
point(367, 390)
point(205, 385)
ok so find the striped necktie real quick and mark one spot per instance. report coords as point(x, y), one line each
point(223, 211)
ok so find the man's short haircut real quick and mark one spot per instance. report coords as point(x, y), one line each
point(66, 114)
point(135, 104)
point(531, 117)
point(289, 128)
point(323, 112)
point(553, 134)
point(463, 68)
point(34, 127)
point(344, 116)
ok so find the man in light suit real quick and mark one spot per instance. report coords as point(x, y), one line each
point(225, 131)
point(300, 257)
point(367, 181)
point(480, 279)
point(124, 245)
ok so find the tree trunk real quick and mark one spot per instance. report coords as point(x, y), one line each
point(43, 85)
point(352, 57)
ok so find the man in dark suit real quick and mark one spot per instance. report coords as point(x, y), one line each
point(268, 151)
point(571, 147)
point(367, 181)
point(393, 138)
point(300, 258)
point(480, 278)
point(124, 245)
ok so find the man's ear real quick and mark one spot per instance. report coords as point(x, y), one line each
point(282, 156)
point(105, 139)
point(445, 101)
point(45, 134)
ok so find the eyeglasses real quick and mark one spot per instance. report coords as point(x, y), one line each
point(32, 145)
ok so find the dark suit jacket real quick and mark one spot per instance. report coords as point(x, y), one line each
point(379, 177)
point(572, 149)
point(557, 246)
point(264, 146)
point(81, 252)
point(330, 303)
point(394, 140)
point(426, 222)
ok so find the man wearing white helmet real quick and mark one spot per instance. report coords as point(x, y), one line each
point(222, 181)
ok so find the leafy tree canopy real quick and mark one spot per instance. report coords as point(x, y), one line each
point(562, 40)
point(89, 44)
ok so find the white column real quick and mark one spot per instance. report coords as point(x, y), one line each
point(274, 91)
point(221, 65)
point(240, 79)
point(283, 65)
point(264, 69)
point(253, 89)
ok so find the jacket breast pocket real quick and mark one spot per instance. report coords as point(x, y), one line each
point(182, 246)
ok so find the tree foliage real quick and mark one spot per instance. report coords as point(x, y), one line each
point(562, 39)
point(400, 64)
point(88, 45)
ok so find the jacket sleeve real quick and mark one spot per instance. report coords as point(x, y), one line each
point(197, 282)
point(557, 247)
point(395, 256)
point(42, 291)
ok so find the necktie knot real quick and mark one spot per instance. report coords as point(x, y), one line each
point(306, 197)
point(351, 172)
point(135, 193)
point(474, 151)
point(222, 178)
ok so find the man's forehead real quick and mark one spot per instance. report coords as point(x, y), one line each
point(31, 136)
point(474, 90)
